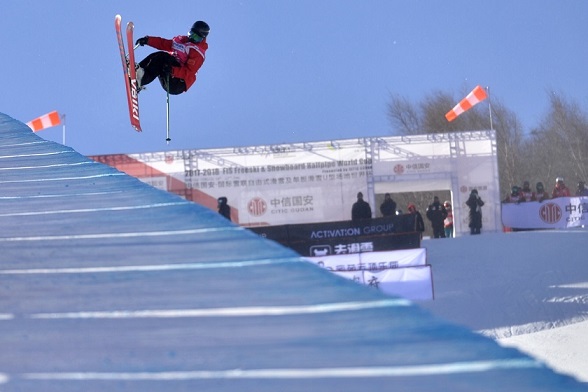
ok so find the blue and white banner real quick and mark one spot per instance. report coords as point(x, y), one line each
point(560, 213)
point(372, 261)
point(414, 283)
point(403, 273)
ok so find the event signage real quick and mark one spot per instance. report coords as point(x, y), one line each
point(560, 213)
point(300, 183)
point(374, 261)
point(414, 283)
point(345, 237)
point(340, 229)
point(401, 272)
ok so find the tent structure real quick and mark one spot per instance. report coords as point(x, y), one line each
point(318, 181)
point(109, 284)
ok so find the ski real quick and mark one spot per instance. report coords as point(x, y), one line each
point(133, 79)
point(128, 65)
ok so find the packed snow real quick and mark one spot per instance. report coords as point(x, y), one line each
point(528, 290)
point(107, 283)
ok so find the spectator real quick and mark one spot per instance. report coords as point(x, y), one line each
point(475, 204)
point(560, 189)
point(581, 191)
point(419, 224)
point(526, 192)
point(360, 209)
point(436, 213)
point(388, 207)
point(448, 222)
point(540, 194)
point(223, 208)
point(515, 196)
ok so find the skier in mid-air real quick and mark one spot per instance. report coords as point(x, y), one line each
point(178, 60)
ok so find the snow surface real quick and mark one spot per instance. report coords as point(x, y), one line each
point(109, 284)
point(527, 289)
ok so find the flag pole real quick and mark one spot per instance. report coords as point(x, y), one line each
point(489, 108)
point(63, 128)
point(167, 139)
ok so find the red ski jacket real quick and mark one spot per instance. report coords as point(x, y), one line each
point(190, 55)
point(560, 191)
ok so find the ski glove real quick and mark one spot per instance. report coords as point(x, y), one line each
point(142, 41)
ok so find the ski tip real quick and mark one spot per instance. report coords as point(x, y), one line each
point(117, 17)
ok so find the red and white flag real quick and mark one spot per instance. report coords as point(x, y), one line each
point(45, 121)
point(477, 95)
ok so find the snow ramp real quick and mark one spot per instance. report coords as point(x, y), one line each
point(109, 284)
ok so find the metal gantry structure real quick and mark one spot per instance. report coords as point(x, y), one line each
point(378, 152)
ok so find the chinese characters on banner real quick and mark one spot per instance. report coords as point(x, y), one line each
point(560, 213)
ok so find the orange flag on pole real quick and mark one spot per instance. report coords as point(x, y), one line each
point(477, 95)
point(45, 121)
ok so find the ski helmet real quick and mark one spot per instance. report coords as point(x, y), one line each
point(200, 28)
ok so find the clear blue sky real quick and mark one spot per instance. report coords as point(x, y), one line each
point(280, 71)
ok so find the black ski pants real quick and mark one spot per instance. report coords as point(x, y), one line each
point(155, 67)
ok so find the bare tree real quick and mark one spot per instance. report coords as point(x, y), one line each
point(557, 147)
point(510, 145)
point(429, 117)
point(561, 140)
point(404, 115)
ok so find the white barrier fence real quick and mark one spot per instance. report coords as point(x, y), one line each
point(403, 273)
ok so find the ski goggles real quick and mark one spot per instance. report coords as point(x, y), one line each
point(194, 37)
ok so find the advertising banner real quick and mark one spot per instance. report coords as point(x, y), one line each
point(414, 283)
point(373, 262)
point(349, 245)
point(345, 237)
point(403, 273)
point(560, 213)
point(340, 229)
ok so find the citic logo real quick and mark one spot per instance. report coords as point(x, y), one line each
point(550, 213)
point(257, 206)
point(399, 169)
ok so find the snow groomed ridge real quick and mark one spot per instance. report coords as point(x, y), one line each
point(109, 284)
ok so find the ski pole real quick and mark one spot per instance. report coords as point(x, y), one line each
point(167, 139)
